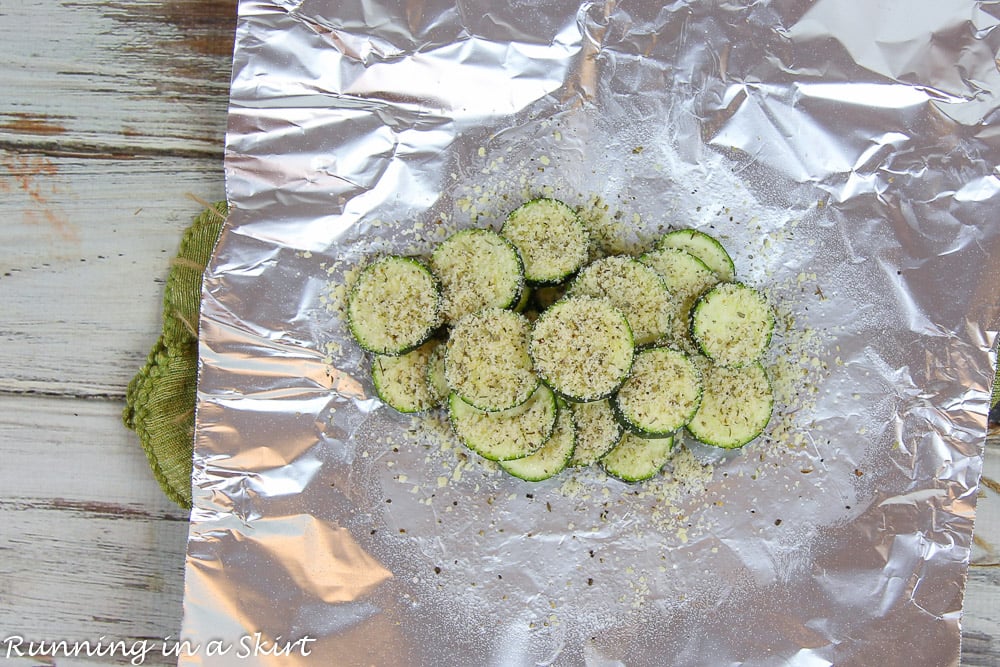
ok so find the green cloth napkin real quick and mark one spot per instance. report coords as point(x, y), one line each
point(160, 400)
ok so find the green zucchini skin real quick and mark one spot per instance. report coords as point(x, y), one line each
point(477, 268)
point(401, 382)
point(705, 247)
point(553, 457)
point(637, 459)
point(569, 336)
point(687, 278)
point(732, 324)
point(545, 296)
point(552, 240)
point(735, 408)
point(487, 360)
point(661, 395)
point(436, 381)
point(634, 288)
point(598, 431)
point(508, 434)
point(395, 306)
point(600, 371)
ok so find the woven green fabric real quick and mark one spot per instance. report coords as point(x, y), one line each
point(182, 294)
point(995, 398)
point(160, 400)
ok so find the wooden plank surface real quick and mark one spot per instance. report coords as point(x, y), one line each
point(82, 276)
point(110, 114)
point(116, 79)
point(89, 547)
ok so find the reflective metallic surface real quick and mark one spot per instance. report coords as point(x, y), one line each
point(844, 152)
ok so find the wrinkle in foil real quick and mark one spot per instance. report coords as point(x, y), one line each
point(846, 153)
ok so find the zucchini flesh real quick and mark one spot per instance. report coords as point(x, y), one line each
point(704, 247)
point(735, 408)
point(687, 278)
point(732, 324)
point(487, 361)
point(477, 269)
point(394, 307)
point(552, 240)
point(661, 394)
point(597, 431)
point(508, 434)
point(401, 381)
point(552, 457)
point(635, 289)
point(526, 298)
point(637, 459)
point(582, 348)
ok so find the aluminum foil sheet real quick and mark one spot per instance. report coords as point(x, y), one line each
point(844, 151)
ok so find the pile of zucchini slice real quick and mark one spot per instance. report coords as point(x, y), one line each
point(545, 359)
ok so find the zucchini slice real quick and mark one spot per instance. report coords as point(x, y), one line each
point(402, 381)
point(735, 407)
point(637, 459)
point(394, 307)
point(704, 247)
point(732, 324)
point(552, 240)
point(477, 269)
point(635, 289)
point(597, 431)
point(508, 434)
point(687, 278)
point(487, 362)
point(526, 299)
point(552, 457)
point(661, 395)
point(582, 348)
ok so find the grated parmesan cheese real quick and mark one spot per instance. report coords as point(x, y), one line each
point(597, 431)
point(477, 269)
point(662, 392)
point(732, 324)
point(550, 237)
point(582, 347)
point(487, 362)
point(394, 305)
point(635, 289)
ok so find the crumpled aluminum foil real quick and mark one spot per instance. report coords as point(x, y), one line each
point(846, 154)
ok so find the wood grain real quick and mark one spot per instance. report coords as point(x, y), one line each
point(111, 113)
point(82, 280)
point(114, 79)
point(89, 546)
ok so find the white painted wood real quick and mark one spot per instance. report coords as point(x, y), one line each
point(116, 78)
point(110, 113)
point(81, 279)
point(89, 546)
point(986, 552)
point(981, 618)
